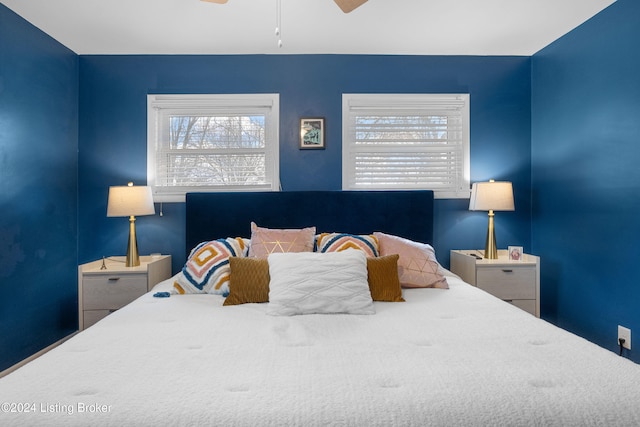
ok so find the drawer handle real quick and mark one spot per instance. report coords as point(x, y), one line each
point(114, 279)
point(505, 270)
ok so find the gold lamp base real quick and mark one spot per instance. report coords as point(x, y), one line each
point(490, 249)
point(132, 259)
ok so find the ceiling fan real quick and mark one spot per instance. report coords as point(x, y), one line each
point(346, 5)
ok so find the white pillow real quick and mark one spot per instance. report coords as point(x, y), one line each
point(311, 282)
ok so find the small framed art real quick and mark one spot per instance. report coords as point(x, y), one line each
point(312, 133)
point(515, 253)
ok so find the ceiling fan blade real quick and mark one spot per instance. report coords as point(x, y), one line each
point(217, 1)
point(349, 5)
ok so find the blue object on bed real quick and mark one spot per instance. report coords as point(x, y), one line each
point(162, 294)
point(408, 214)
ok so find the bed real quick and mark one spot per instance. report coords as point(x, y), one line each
point(443, 357)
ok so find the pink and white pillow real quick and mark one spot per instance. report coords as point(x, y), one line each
point(417, 265)
point(266, 241)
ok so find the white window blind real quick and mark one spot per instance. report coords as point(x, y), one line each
point(406, 141)
point(211, 143)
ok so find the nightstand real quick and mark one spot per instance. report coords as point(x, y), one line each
point(103, 291)
point(517, 282)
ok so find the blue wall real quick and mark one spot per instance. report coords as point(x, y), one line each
point(586, 175)
point(112, 143)
point(562, 125)
point(38, 189)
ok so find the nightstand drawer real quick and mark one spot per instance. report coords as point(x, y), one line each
point(93, 316)
point(508, 283)
point(111, 292)
point(528, 305)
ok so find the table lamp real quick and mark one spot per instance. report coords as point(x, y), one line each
point(491, 196)
point(130, 201)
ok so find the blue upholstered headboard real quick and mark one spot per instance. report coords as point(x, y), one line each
point(407, 214)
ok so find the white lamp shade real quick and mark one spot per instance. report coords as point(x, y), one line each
point(130, 200)
point(492, 195)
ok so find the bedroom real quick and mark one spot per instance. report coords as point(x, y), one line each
point(547, 122)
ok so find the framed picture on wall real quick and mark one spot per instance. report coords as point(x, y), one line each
point(312, 133)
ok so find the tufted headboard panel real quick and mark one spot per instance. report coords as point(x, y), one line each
point(407, 214)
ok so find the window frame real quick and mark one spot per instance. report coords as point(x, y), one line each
point(420, 104)
point(161, 106)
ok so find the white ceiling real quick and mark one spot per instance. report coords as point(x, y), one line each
point(413, 27)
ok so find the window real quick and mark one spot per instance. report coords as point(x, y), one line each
point(211, 143)
point(408, 141)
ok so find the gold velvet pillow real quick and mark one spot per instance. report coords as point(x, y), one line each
point(384, 283)
point(249, 281)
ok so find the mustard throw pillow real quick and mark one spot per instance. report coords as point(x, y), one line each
point(384, 283)
point(249, 281)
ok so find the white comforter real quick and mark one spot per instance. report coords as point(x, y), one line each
point(442, 358)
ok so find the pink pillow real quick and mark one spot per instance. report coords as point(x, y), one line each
point(417, 266)
point(265, 241)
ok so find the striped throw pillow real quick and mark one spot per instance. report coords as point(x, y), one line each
point(207, 269)
point(336, 242)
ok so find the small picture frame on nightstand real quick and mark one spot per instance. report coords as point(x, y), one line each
point(515, 253)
